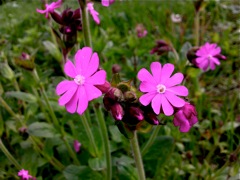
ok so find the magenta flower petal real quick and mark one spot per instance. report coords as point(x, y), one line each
point(63, 86)
point(193, 120)
point(92, 92)
point(105, 2)
point(156, 103)
point(208, 55)
point(174, 80)
point(93, 12)
point(65, 98)
point(167, 70)
point(146, 87)
point(76, 93)
point(50, 8)
point(92, 65)
point(144, 75)
point(167, 108)
point(179, 90)
point(82, 101)
point(71, 106)
point(174, 100)
point(98, 78)
point(69, 69)
point(82, 58)
point(185, 127)
point(147, 98)
point(159, 90)
point(156, 71)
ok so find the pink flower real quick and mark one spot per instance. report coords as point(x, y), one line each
point(77, 145)
point(24, 174)
point(107, 2)
point(50, 8)
point(185, 117)
point(208, 55)
point(161, 90)
point(93, 12)
point(141, 31)
point(176, 18)
point(76, 93)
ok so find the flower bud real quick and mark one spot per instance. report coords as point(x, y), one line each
point(130, 96)
point(116, 68)
point(115, 94)
point(141, 30)
point(161, 47)
point(117, 111)
point(57, 17)
point(136, 113)
point(191, 55)
point(77, 145)
point(185, 117)
point(151, 118)
point(104, 87)
point(220, 56)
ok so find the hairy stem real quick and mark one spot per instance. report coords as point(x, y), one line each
point(137, 156)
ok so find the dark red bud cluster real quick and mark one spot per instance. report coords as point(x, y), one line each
point(161, 47)
point(123, 104)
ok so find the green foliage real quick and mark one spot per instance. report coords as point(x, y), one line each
point(27, 127)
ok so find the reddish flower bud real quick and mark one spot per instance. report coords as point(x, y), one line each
point(104, 87)
point(77, 145)
point(185, 117)
point(116, 68)
point(130, 96)
point(117, 111)
point(115, 94)
point(191, 55)
point(161, 47)
point(151, 118)
point(136, 113)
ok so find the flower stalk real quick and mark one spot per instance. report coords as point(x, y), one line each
point(105, 138)
point(150, 140)
point(89, 134)
point(137, 156)
point(9, 156)
point(85, 23)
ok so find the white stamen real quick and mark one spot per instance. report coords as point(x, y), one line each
point(79, 80)
point(209, 57)
point(161, 88)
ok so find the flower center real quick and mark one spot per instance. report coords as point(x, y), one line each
point(79, 79)
point(209, 57)
point(161, 88)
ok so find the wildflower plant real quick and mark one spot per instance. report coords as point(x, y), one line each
point(120, 103)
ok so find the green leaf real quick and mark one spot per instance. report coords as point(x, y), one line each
point(160, 150)
point(42, 129)
point(53, 50)
point(22, 96)
point(6, 71)
point(97, 164)
point(73, 172)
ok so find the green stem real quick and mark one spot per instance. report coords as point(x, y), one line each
point(196, 26)
point(9, 156)
point(58, 165)
point(69, 148)
point(85, 23)
point(7, 107)
point(89, 133)
point(137, 156)
point(55, 120)
point(150, 140)
point(105, 138)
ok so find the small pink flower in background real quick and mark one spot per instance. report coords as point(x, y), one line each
point(141, 31)
point(107, 2)
point(24, 175)
point(76, 93)
point(77, 145)
point(50, 8)
point(93, 12)
point(208, 55)
point(161, 90)
point(185, 117)
point(176, 18)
